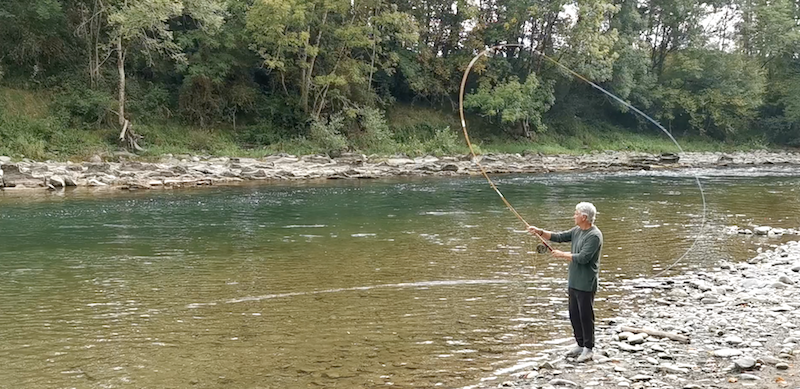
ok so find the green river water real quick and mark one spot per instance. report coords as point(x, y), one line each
point(350, 284)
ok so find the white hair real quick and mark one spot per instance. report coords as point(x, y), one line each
point(588, 210)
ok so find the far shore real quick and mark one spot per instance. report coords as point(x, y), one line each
point(192, 171)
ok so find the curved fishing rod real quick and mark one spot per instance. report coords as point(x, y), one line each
point(584, 79)
point(472, 150)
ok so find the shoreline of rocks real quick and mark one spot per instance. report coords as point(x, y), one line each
point(193, 171)
point(742, 321)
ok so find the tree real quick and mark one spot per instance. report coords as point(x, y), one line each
point(325, 50)
point(144, 26)
point(710, 93)
point(770, 33)
point(632, 78)
point(514, 102)
point(35, 38)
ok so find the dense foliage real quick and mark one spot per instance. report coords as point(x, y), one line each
point(328, 71)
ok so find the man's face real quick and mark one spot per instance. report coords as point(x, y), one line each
point(578, 217)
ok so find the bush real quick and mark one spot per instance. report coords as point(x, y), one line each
point(262, 134)
point(327, 134)
point(445, 142)
point(21, 137)
point(148, 102)
point(77, 105)
point(376, 136)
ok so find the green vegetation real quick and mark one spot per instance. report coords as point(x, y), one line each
point(255, 77)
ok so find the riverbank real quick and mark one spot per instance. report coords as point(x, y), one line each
point(192, 171)
point(741, 322)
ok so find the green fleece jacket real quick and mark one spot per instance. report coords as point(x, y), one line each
point(584, 268)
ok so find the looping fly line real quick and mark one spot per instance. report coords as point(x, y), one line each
point(595, 86)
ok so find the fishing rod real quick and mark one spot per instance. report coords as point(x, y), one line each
point(607, 93)
point(472, 150)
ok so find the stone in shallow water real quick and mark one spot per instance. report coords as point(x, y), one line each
point(762, 230)
point(782, 366)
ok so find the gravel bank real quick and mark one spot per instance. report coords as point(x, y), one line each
point(191, 171)
point(742, 321)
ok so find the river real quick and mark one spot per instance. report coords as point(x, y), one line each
point(409, 282)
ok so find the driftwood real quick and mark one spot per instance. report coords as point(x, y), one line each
point(129, 139)
point(660, 334)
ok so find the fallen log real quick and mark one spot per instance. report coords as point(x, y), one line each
point(660, 334)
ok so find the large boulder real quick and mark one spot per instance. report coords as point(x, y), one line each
point(12, 177)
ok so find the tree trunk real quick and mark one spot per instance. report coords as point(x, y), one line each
point(121, 69)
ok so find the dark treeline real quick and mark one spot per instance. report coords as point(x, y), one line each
point(330, 69)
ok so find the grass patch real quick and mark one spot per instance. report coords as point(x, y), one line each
point(29, 130)
point(23, 103)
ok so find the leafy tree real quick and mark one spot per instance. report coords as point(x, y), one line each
point(514, 102)
point(710, 93)
point(34, 38)
point(326, 50)
point(144, 26)
point(632, 78)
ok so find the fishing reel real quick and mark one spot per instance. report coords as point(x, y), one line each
point(541, 249)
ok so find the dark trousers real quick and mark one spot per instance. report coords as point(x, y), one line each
point(581, 314)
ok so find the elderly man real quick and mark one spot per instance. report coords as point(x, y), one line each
point(584, 258)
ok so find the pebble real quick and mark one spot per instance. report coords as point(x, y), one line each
point(749, 377)
point(673, 369)
point(733, 340)
point(727, 352)
point(769, 360)
point(745, 363)
point(562, 382)
point(636, 339)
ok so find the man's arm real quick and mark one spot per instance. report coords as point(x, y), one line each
point(538, 231)
point(565, 236)
point(587, 251)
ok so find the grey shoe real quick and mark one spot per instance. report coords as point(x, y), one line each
point(586, 355)
point(574, 352)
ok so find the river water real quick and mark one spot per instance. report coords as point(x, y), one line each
point(408, 282)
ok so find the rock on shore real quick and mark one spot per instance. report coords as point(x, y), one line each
point(194, 171)
point(742, 321)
